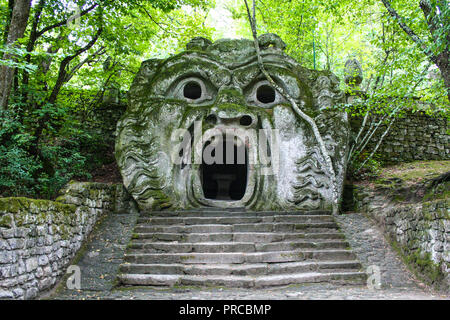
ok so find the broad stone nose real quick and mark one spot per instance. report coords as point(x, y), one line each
point(230, 109)
point(231, 116)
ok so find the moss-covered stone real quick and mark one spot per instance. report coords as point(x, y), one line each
point(228, 78)
point(6, 221)
point(417, 229)
point(424, 266)
point(49, 233)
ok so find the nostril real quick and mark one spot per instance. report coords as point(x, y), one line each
point(246, 120)
point(212, 119)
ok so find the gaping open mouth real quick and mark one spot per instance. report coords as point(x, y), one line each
point(224, 169)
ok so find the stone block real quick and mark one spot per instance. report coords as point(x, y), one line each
point(31, 264)
point(4, 294)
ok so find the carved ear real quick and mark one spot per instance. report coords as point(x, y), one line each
point(268, 40)
point(144, 75)
point(198, 43)
point(326, 90)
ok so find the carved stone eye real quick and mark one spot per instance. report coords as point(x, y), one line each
point(192, 90)
point(265, 94)
point(262, 94)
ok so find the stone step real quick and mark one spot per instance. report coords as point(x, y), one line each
point(237, 236)
point(217, 228)
point(216, 247)
point(240, 269)
point(228, 213)
point(243, 281)
point(234, 220)
point(236, 248)
point(240, 257)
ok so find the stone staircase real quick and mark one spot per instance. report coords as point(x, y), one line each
point(234, 248)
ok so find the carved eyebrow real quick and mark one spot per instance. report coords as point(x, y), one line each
point(181, 68)
point(241, 74)
point(189, 57)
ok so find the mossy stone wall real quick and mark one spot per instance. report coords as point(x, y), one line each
point(419, 231)
point(416, 136)
point(39, 238)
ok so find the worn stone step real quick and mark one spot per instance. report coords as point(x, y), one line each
point(243, 281)
point(236, 248)
point(238, 236)
point(217, 228)
point(215, 247)
point(240, 257)
point(228, 213)
point(240, 269)
point(234, 220)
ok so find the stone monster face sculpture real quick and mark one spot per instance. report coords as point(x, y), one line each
point(205, 129)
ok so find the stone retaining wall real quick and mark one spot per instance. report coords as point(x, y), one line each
point(421, 232)
point(39, 238)
point(417, 136)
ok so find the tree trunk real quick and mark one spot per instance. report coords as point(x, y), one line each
point(32, 39)
point(8, 21)
point(444, 66)
point(19, 20)
point(440, 60)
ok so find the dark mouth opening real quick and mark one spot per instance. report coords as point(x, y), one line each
point(226, 178)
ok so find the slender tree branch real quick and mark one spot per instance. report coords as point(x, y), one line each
point(369, 134)
point(155, 22)
point(8, 21)
point(54, 48)
point(287, 96)
point(367, 86)
point(377, 80)
point(429, 14)
point(88, 59)
point(62, 74)
point(62, 68)
point(32, 40)
point(421, 77)
point(409, 31)
point(100, 94)
point(355, 143)
point(377, 146)
point(63, 22)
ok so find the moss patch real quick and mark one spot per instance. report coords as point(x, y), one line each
point(421, 264)
point(6, 221)
point(414, 172)
point(411, 182)
point(442, 191)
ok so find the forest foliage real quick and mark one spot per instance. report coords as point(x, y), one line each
point(325, 34)
point(62, 67)
point(62, 70)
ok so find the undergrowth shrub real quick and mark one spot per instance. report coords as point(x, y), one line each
point(369, 171)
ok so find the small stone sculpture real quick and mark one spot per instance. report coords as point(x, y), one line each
point(353, 73)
